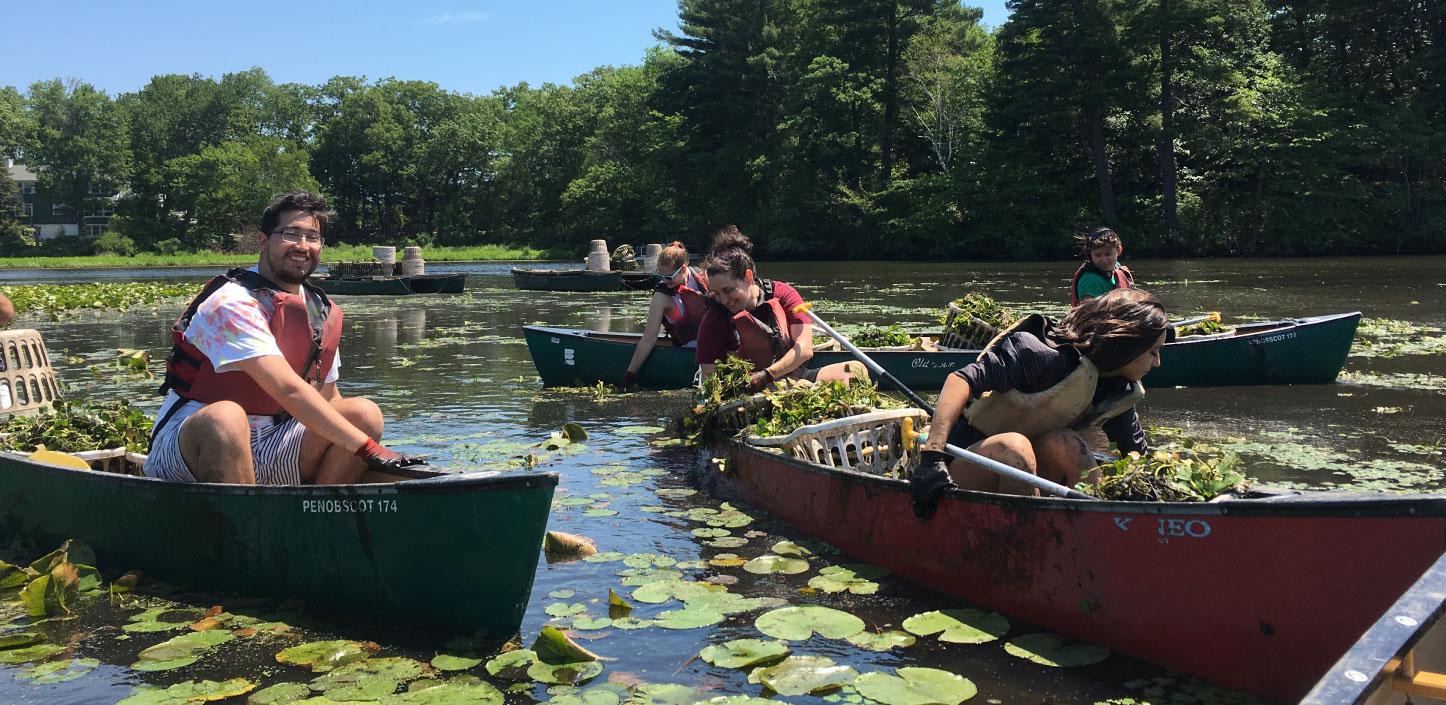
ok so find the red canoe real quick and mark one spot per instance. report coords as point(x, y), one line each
point(1260, 594)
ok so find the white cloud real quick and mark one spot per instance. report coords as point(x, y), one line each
point(467, 17)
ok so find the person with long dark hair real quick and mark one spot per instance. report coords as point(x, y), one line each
point(1035, 387)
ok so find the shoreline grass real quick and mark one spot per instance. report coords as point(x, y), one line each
point(332, 253)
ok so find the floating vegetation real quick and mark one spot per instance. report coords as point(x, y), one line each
point(1055, 651)
point(799, 623)
point(959, 626)
point(871, 336)
point(854, 579)
point(802, 675)
point(182, 650)
point(1379, 337)
point(189, 692)
point(882, 641)
point(791, 407)
point(767, 564)
point(1165, 476)
point(1209, 326)
point(74, 426)
point(1395, 380)
point(323, 656)
point(58, 301)
point(916, 686)
point(970, 321)
point(744, 653)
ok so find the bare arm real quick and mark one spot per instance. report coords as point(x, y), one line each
point(660, 306)
point(796, 356)
point(304, 402)
point(946, 411)
point(7, 310)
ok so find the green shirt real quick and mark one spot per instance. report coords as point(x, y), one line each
point(1092, 284)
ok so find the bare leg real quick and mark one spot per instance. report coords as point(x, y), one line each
point(842, 372)
point(216, 444)
point(1011, 449)
point(1063, 456)
point(322, 463)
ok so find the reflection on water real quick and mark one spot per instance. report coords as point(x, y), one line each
point(455, 381)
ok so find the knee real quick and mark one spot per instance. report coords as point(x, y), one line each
point(362, 413)
point(217, 421)
point(1010, 448)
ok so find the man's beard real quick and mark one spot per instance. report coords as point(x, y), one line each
point(284, 276)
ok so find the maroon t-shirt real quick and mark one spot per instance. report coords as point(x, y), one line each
point(716, 335)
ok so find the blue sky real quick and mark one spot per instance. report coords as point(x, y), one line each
point(464, 46)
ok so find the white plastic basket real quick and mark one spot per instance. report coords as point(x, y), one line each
point(871, 443)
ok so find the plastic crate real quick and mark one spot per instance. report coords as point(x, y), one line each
point(871, 443)
point(739, 414)
point(973, 334)
point(27, 381)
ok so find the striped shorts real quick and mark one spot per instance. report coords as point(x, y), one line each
point(275, 452)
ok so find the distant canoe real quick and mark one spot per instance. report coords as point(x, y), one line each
point(1294, 351)
point(394, 286)
point(389, 546)
point(641, 281)
point(566, 280)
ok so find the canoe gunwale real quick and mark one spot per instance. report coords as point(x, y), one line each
point(438, 483)
point(1361, 672)
point(1344, 504)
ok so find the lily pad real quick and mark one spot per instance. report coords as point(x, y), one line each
point(605, 557)
point(728, 542)
point(562, 609)
point(512, 665)
point(855, 579)
point(189, 692)
point(368, 679)
point(632, 623)
point(789, 548)
point(676, 492)
point(600, 512)
point(565, 673)
point(181, 650)
point(454, 692)
point(604, 694)
point(574, 432)
point(1055, 651)
point(916, 686)
point(882, 641)
point(279, 694)
point(959, 626)
point(58, 671)
point(664, 694)
point(561, 594)
point(727, 560)
point(688, 618)
point(28, 654)
point(587, 623)
point(801, 675)
point(799, 623)
point(16, 639)
point(323, 656)
point(743, 653)
point(710, 532)
point(649, 560)
point(553, 646)
point(638, 430)
point(450, 662)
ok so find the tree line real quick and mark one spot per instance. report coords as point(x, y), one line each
point(822, 128)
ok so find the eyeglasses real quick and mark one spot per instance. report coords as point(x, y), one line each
point(674, 275)
point(311, 237)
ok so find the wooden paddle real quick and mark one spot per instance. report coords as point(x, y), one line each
point(989, 464)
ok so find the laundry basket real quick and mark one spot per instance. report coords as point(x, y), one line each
point(27, 381)
point(972, 334)
point(872, 443)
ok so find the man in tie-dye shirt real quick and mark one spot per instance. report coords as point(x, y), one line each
point(311, 434)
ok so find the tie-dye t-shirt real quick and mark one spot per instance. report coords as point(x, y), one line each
point(231, 326)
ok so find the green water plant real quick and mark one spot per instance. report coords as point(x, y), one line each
point(1183, 475)
point(794, 406)
point(962, 319)
point(916, 686)
point(1055, 651)
point(57, 301)
point(871, 336)
point(72, 426)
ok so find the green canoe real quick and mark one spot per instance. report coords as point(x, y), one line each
point(566, 280)
point(1294, 351)
point(449, 548)
point(394, 286)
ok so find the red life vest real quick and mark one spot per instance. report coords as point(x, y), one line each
point(689, 305)
point(1123, 279)
point(308, 346)
point(759, 342)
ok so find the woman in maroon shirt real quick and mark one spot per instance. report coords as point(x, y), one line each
point(755, 319)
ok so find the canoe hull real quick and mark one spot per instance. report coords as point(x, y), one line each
point(1260, 597)
point(454, 550)
point(1303, 351)
point(394, 286)
point(566, 280)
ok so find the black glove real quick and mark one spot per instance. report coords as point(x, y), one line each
point(928, 483)
point(382, 459)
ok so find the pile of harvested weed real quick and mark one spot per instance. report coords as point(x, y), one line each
point(796, 405)
point(1166, 476)
point(973, 319)
point(716, 398)
point(1205, 327)
point(871, 336)
point(78, 426)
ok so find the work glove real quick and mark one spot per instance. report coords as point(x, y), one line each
point(759, 380)
point(382, 459)
point(928, 483)
point(630, 380)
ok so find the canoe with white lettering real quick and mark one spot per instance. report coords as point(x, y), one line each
point(1308, 350)
point(1261, 593)
point(449, 548)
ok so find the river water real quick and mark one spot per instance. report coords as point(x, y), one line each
point(454, 379)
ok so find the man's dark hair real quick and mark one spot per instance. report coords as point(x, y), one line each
point(311, 203)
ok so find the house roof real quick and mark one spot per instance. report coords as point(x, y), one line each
point(19, 173)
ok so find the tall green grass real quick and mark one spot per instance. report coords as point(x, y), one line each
point(332, 253)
